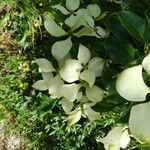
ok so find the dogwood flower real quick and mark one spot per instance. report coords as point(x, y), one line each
point(50, 83)
point(86, 110)
point(131, 86)
point(116, 138)
point(83, 68)
point(139, 122)
point(82, 17)
point(146, 64)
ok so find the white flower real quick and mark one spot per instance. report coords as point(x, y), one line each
point(66, 105)
point(139, 122)
point(44, 65)
point(90, 113)
point(61, 48)
point(116, 138)
point(72, 69)
point(75, 115)
point(53, 28)
point(82, 17)
point(70, 91)
point(95, 93)
point(130, 84)
point(50, 83)
point(146, 64)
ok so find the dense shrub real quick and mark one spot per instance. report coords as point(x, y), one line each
point(107, 43)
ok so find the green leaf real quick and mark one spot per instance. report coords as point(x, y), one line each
point(120, 51)
point(147, 2)
point(107, 75)
point(135, 25)
point(47, 104)
point(108, 103)
point(147, 14)
point(116, 28)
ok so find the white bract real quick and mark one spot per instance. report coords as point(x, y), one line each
point(66, 105)
point(88, 76)
point(54, 87)
point(70, 91)
point(66, 81)
point(116, 138)
point(82, 17)
point(95, 93)
point(131, 86)
point(74, 116)
point(61, 48)
point(86, 110)
point(139, 122)
point(146, 64)
point(94, 10)
point(90, 113)
point(72, 4)
point(53, 28)
point(72, 69)
point(44, 65)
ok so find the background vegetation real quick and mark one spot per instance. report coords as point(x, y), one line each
point(33, 115)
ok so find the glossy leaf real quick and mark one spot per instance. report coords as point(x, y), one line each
point(120, 51)
point(135, 25)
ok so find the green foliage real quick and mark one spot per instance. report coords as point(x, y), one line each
point(123, 43)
